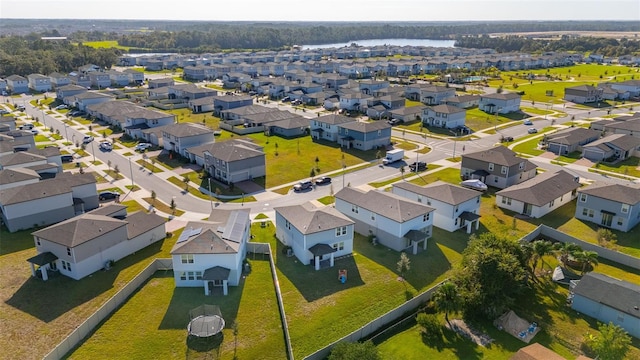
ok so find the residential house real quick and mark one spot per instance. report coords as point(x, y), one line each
point(444, 116)
point(3, 86)
point(502, 103)
point(294, 126)
point(317, 236)
point(608, 300)
point(90, 242)
point(99, 79)
point(135, 77)
point(364, 135)
point(540, 195)
point(85, 99)
point(17, 84)
point(630, 126)
point(226, 102)
point(7, 124)
point(80, 79)
point(630, 86)
point(211, 253)
point(408, 114)
point(179, 137)
point(570, 140)
point(455, 207)
point(39, 82)
point(143, 118)
point(68, 90)
point(463, 101)
point(189, 92)
point(233, 161)
point(13, 177)
point(159, 83)
point(370, 87)
point(118, 79)
point(614, 206)
point(498, 167)
point(355, 102)
point(536, 351)
point(583, 94)
point(429, 94)
point(612, 147)
point(47, 201)
point(326, 127)
point(201, 105)
point(394, 221)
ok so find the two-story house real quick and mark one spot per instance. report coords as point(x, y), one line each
point(39, 82)
point(445, 116)
point(394, 221)
point(502, 103)
point(540, 195)
point(99, 79)
point(429, 94)
point(231, 161)
point(179, 137)
point(210, 253)
point(82, 245)
point(364, 135)
point(583, 94)
point(316, 235)
point(17, 84)
point(498, 167)
point(455, 207)
point(614, 206)
point(326, 127)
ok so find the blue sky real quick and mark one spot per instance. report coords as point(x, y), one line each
point(325, 10)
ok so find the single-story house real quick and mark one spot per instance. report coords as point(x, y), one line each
point(583, 94)
point(316, 235)
point(178, 137)
point(615, 146)
point(569, 140)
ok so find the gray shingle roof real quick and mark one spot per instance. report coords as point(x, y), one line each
point(334, 119)
point(140, 222)
point(366, 127)
point(80, 229)
point(209, 240)
point(389, 205)
point(9, 176)
point(447, 109)
point(622, 141)
point(624, 194)
point(20, 157)
point(308, 219)
point(61, 184)
point(573, 135)
point(499, 155)
point(182, 130)
point(231, 150)
point(617, 294)
point(502, 96)
point(543, 188)
point(441, 191)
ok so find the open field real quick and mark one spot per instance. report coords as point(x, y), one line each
point(106, 44)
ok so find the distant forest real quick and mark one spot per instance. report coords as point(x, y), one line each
point(26, 53)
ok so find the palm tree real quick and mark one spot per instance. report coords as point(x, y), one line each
point(446, 299)
point(564, 250)
point(541, 248)
point(589, 259)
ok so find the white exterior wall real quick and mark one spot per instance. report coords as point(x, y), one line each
point(201, 262)
point(536, 211)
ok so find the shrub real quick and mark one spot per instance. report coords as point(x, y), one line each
point(429, 324)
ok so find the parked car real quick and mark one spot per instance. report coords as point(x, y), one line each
point(62, 106)
point(420, 166)
point(394, 122)
point(66, 158)
point(506, 139)
point(108, 195)
point(87, 139)
point(527, 122)
point(143, 146)
point(475, 184)
point(106, 146)
point(286, 99)
point(4, 111)
point(27, 126)
point(303, 185)
point(34, 131)
point(296, 102)
point(323, 180)
point(20, 108)
point(532, 130)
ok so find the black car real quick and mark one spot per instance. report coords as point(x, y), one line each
point(323, 180)
point(420, 166)
point(108, 195)
point(506, 139)
point(303, 185)
point(66, 158)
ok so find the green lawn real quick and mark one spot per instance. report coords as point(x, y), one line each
point(529, 147)
point(630, 166)
point(450, 175)
point(478, 120)
point(161, 334)
point(570, 158)
point(327, 200)
point(106, 44)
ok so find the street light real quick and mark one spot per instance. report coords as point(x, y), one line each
point(210, 193)
point(131, 171)
point(455, 134)
point(66, 136)
point(344, 170)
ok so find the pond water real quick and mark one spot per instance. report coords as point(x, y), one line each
point(395, 42)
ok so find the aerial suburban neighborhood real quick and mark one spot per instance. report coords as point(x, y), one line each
point(390, 201)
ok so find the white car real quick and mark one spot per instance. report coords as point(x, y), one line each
point(532, 131)
point(106, 146)
point(475, 184)
point(527, 122)
point(87, 139)
point(60, 107)
point(143, 146)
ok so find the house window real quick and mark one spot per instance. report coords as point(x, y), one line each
point(355, 209)
point(342, 230)
point(419, 198)
point(506, 200)
point(587, 212)
point(456, 223)
point(287, 224)
point(339, 246)
point(38, 241)
point(478, 200)
point(373, 216)
point(183, 275)
point(551, 203)
point(583, 197)
point(186, 258)
point(625, 208)
point(620, 221)
point(66, 265)
point(191, 275)
point(425, 217)
point(521, 165)
point(198, 275)
point(490, 166)
point(379, 132)
point(457, 209)
point(503, 170)
point(69, 251)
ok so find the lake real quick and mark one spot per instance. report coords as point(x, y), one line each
point(395, 42)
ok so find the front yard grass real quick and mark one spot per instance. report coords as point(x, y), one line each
point(571, 157)
point(159, 205)
point(529, 147)
point(630, 167)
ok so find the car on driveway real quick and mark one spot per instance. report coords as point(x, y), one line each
point(143, 146)
point(87, 139)
point(418, 166)
point(303, 185)
point(4, 111)
point(66, 158)
point(532, 131)
point(323, 180)
point(60, 107)
point(394, 122)
point(527, 122)
point(475, 184)
point(108, 195)
point(106, 146)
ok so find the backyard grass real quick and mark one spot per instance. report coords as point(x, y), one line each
point(450, 175)
point(630, 167)
point(161, 334)
point(327, 200)
point(529, 147)
point(477, 119)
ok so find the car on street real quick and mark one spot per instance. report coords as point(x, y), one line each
point(418, 166)
point(143, 146)
point(27, 126)
point(323, 180)
point(286, 99)
point(108, 195)
point(106, 146)
point(506, 138)
point(66, 158)
point(303, 185)
point(532, 130)
point(34, 131)
point(87, 139)
point(4, 111)
point(475, 184)
point(20, 108)
point(296, 102)
point(527, 122)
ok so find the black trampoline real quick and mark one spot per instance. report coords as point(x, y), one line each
point(206, 321)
